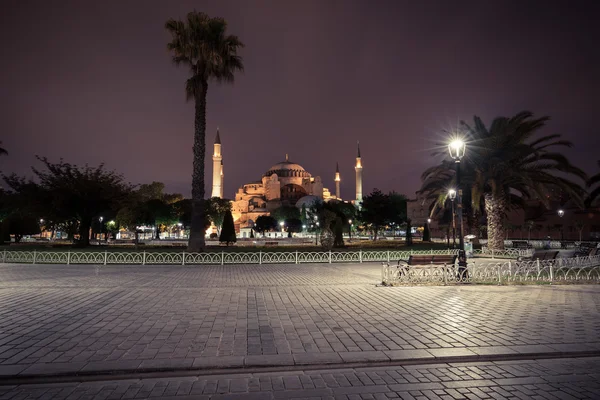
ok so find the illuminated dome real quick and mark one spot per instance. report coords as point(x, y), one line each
point(308, 201)
point(288, 169)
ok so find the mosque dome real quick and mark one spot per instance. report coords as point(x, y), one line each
point(288, 169)
point(308, 201)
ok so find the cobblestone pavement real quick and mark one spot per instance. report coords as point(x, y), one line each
point(87, 319)
point(542, 379)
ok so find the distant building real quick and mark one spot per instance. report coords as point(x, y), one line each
point(284, 184)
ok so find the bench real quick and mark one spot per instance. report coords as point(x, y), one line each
point(273, 243)
point(540, 255)
point(521, 244)
point(427, 260)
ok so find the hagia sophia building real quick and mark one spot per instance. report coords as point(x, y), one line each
point(284, 184)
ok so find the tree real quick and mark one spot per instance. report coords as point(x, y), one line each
point(66, 191)
point(160, 214)
point(265, 223)
point(293, 225)
point(426, 233)
point(216, 208)
point(375, 210)
point(21, 225)
point(228, 230)
point(507, 164)
point(595, 192)
point(201, 43)
point(285, 212)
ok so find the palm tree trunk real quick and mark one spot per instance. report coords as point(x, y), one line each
point(495, 208)
point(197, 231)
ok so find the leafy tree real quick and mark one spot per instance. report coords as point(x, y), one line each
point(397, 214)
point(507, 164)
point(375, 210)
point(284, 213)
point(216, 208)
point(161, 214)
point(228, 231)
point(408, 232)
point(21, 225)
point(65, 191)
point(265, 223)
point(151, 191)
point(201, 44)
point(293, 225)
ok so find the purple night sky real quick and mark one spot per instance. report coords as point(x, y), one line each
point(93, 82)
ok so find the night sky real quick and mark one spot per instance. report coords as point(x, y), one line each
point(93, 82)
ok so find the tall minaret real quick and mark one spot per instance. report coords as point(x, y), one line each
point(222, 177)
point(337, 181)
point(217, 190)
point(358, 169)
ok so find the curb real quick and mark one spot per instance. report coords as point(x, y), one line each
point(164, 372)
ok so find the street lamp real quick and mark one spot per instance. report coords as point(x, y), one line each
point(349, 230)
point(452, 196)
point(281, 224)
point(317, 234)
point(561, 214)
point(100, 219)
point(457, 149)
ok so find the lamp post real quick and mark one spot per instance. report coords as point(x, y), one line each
point(457, 150)
point(452, 196)
point(428, 229)
point(561, 214)
point(317, 234)
point(281, 224)
point(100, 219)
point(349, 229)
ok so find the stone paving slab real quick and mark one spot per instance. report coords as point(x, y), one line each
point(91, 319)
point(524, 379)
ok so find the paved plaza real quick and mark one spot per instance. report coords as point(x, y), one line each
point(93, 320)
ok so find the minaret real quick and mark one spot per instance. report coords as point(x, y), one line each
point(217, 189)
point(358, 169)
point(337, 181)
point(222, 177)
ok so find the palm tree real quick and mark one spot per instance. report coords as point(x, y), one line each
point(595, 193)
point(506, 164)
point(202, 44)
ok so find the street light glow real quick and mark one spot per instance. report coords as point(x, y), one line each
point(452, 194)
point(428, 220)
point(561, 213)
point(457, 149)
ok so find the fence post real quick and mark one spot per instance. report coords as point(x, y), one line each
point(34, 256)
point(329, 256)
point(296, 256)
point(411, 252)
point(222, 256)
point(509, 269)
point(4, 257)
point(105, 256)
point(68, 257)
point(388, 256)
point(259, 257)
point(360, 255)
point(183, 258)
point(492, 254)
point(551, 272)
point(499, 276)
point(144, 257)
point(538, 267)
